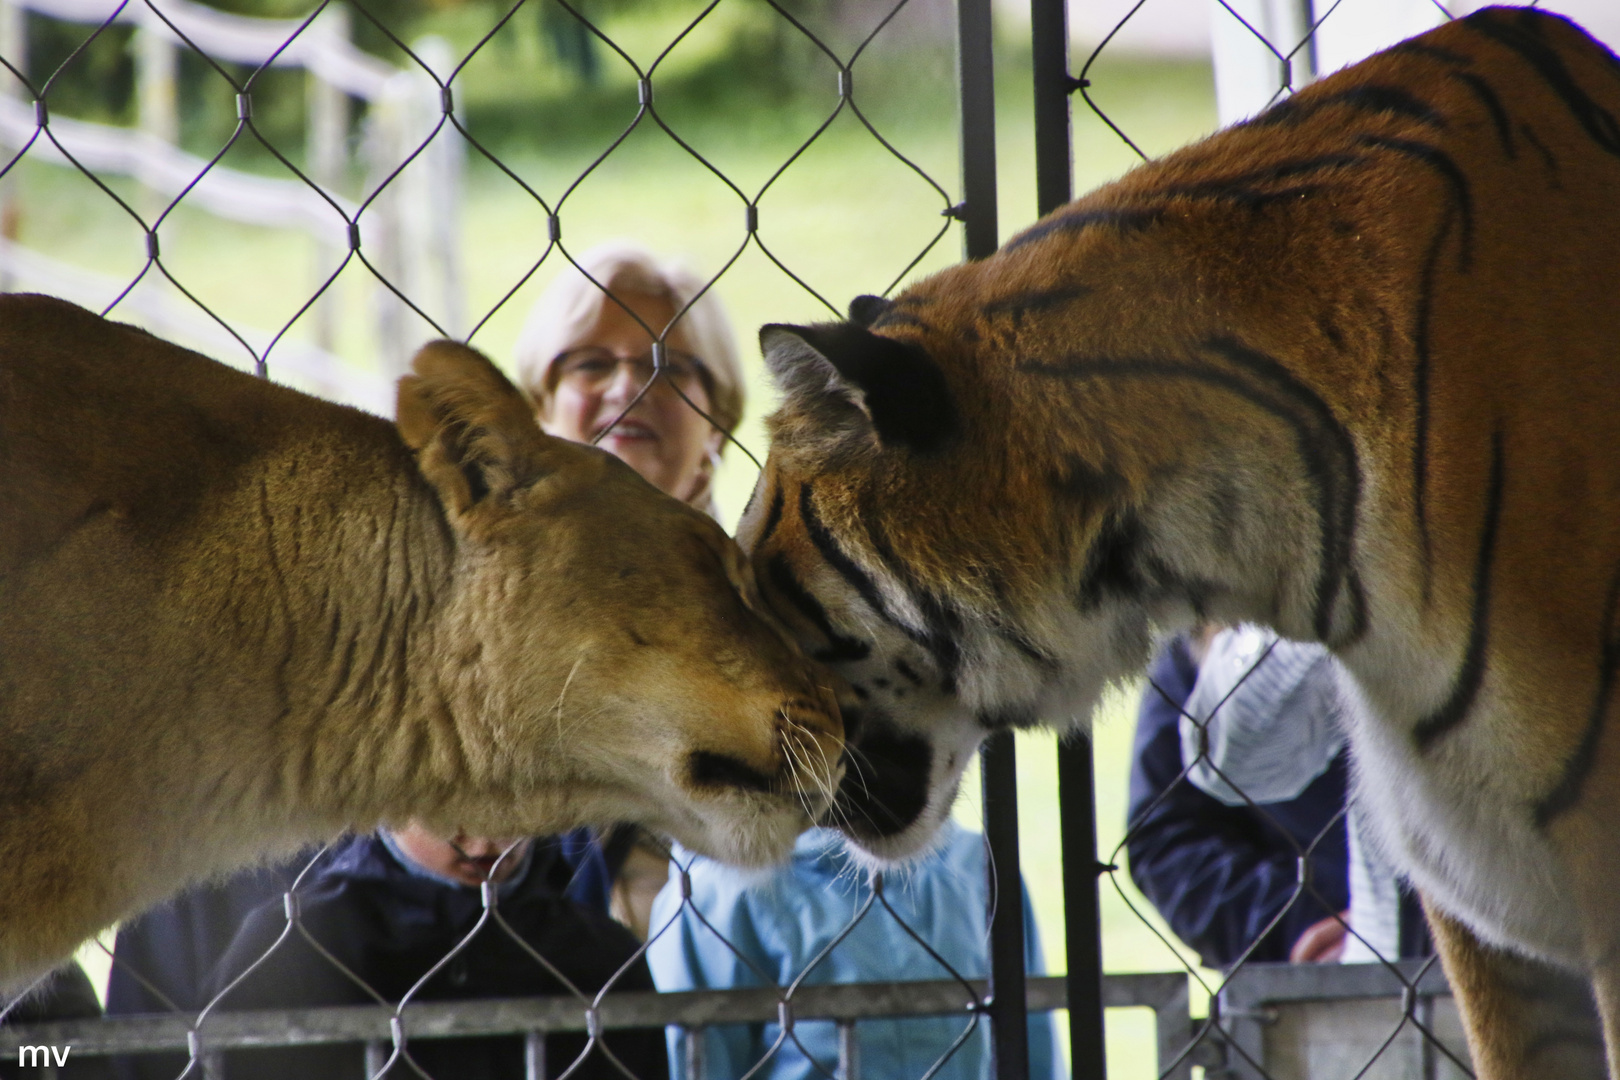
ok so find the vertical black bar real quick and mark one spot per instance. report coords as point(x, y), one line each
point(1009, 1028)
point(1082, 917)
point(1049, 37)
point(976, 86)
point(1009, 1033)
point(1077, 799)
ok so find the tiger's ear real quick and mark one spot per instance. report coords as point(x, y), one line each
point(853, 378)
point(474, 433)
point(866, 309)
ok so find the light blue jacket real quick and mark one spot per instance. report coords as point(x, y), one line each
point(779, 921)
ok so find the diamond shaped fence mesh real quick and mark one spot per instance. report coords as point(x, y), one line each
point(311, 192)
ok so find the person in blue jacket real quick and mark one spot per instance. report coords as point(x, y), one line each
point(775, 924)
point(1220, 874)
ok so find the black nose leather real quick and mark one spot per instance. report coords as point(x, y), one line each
point(885, 785)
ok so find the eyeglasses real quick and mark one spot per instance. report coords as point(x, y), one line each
point(593, 368)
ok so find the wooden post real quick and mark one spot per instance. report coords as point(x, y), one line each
point(435, 193)
point(14, 47)
point(326, 136)
point(157, 70)
point(381, 224)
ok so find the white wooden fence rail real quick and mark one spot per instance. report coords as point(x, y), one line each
point(409, 232)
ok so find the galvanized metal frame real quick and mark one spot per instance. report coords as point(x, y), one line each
point(1165, 994)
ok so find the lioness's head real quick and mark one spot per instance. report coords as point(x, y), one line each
point(603, 649)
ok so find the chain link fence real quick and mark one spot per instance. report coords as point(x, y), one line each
point(312, 195)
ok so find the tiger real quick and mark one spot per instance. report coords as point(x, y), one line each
point(1349, 369)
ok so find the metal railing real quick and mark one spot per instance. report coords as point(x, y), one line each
point(381, 1029)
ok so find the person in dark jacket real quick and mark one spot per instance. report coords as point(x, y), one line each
point(163, 960)
point(1220, 875)
point(389, 909)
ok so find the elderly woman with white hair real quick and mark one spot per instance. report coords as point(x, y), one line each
point(586, 356)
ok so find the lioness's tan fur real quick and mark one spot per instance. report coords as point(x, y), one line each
point(234, 618)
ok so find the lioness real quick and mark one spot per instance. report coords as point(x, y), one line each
point(234, 618)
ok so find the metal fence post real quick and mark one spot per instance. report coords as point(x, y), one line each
point(1009, 1028)
point(1077, 814)
point(1082, 917)
point(1009, 1031)
point(1049, 41)
point(975, 70)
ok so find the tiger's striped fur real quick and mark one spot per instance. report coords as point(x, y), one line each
point(1350, 369)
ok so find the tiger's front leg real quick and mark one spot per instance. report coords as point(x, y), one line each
point(1525, 1020)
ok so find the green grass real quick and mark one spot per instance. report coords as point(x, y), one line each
point(846, 216)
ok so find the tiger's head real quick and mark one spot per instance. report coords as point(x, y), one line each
point(907, 534)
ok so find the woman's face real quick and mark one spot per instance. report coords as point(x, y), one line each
point(662, 438)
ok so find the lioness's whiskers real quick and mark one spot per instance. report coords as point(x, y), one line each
point(580, 659)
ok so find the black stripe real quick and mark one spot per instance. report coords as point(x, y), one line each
point(1237, 193)
point(1090, 485)
point(1420, 404)
point(1471, 674)
point(1289, 170)
point(822, 538)
point(1442, 163)
point(773, 518)
point(1110, 569)
point(1038, 300)
point(1127, 220)
point(1371, 99)
point(1493, 105)
point(1012, 716)
point(1330, 456)
point(1597, 121)
point(1579, 765)
point(838, 647)
point(1015, 637)
point(895, 317)
point(1546, 155)
point(1414, 47)
point(943, 640)
point(941, 635)
point(710, 770)
point(1324, 446)
point(943, 626)
point(1012, 634)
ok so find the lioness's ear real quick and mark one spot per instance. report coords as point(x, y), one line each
point(473, 431)
point(853, 378)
